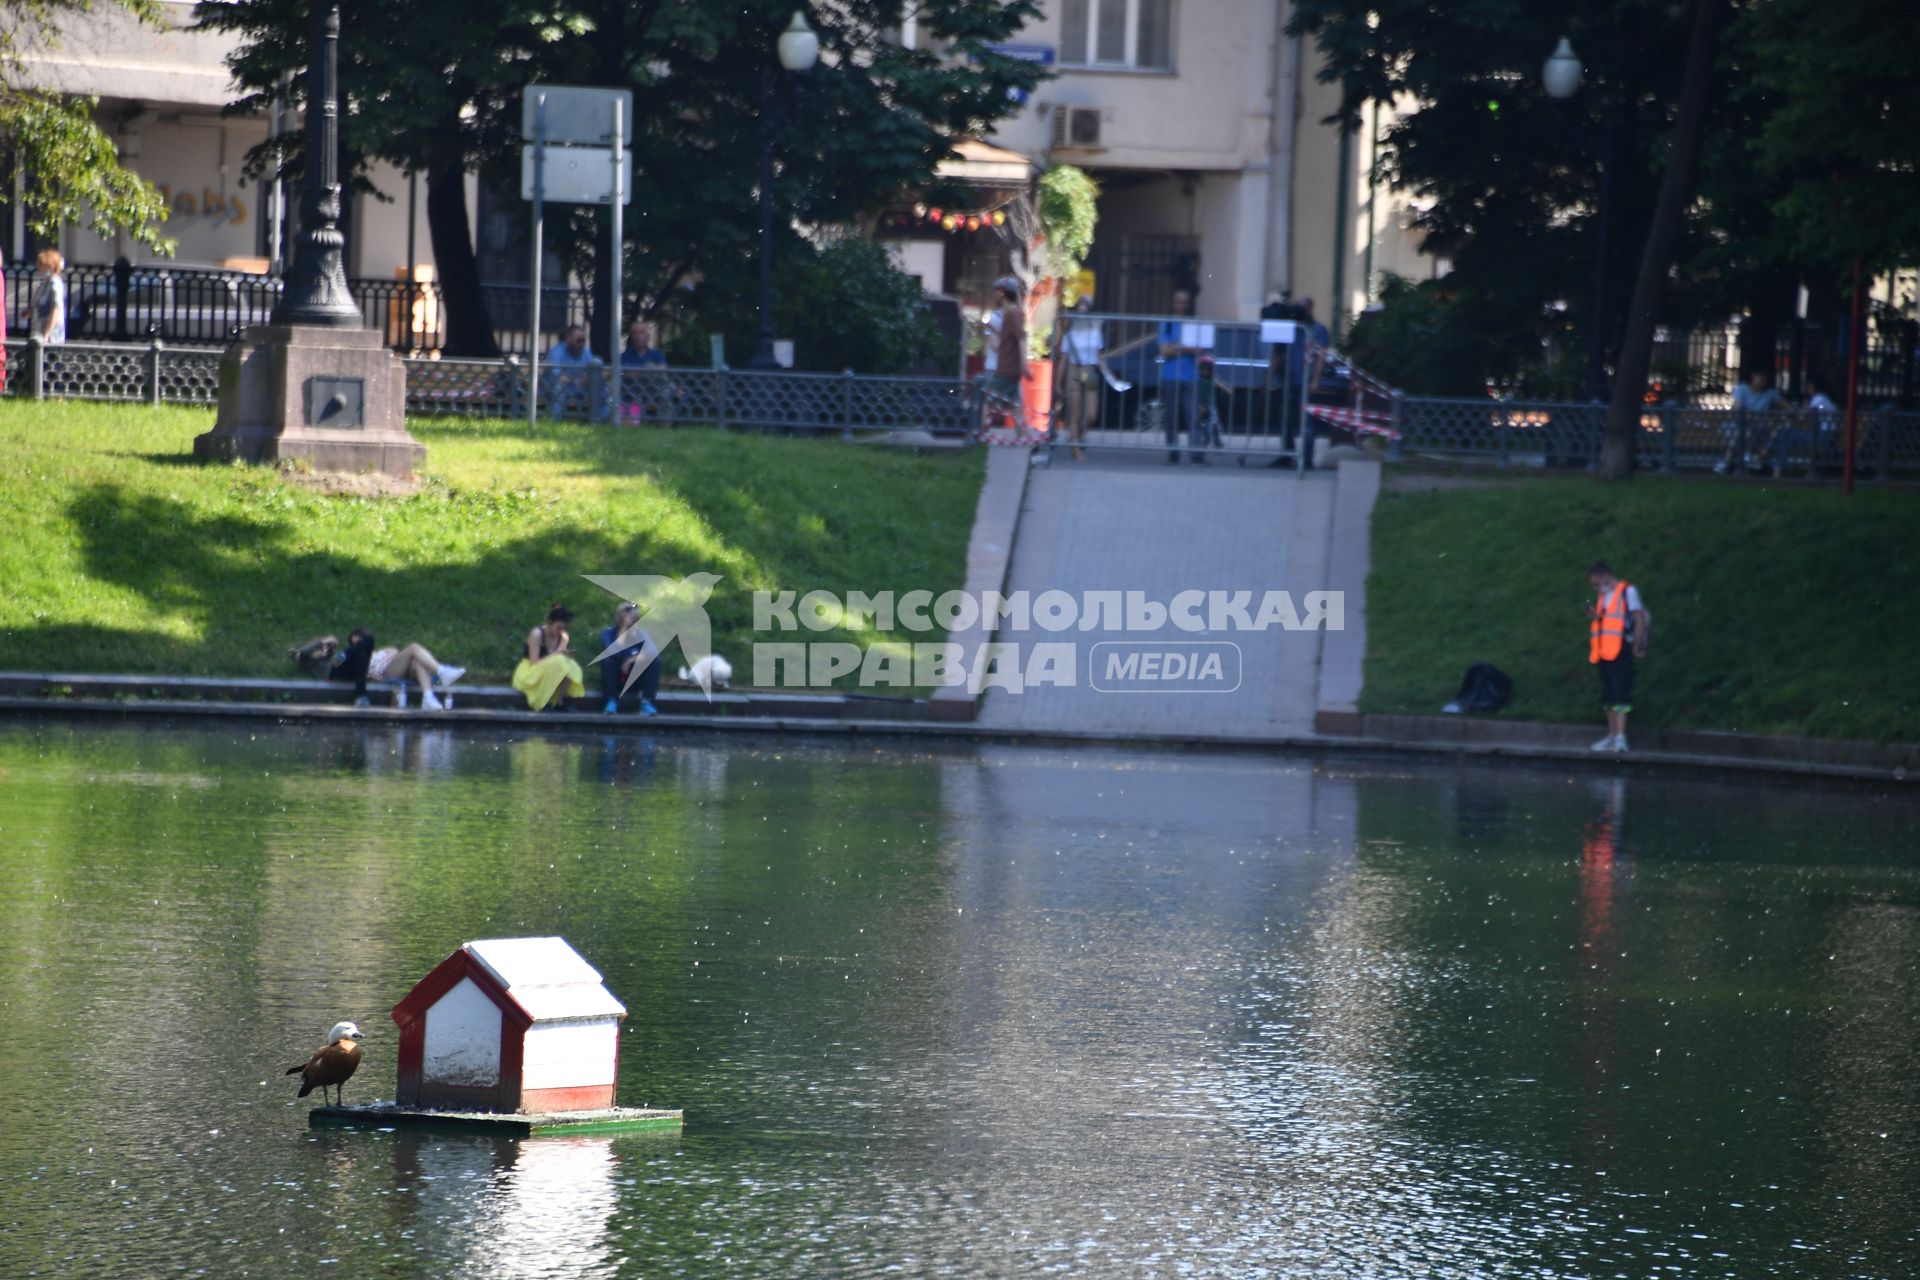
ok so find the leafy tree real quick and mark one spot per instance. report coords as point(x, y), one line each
point(1808, 149)
point(1068, 210)
point(1507, 180)
point(435, 87)
point(1663, 233)
point(1832, 85)
point(1436, 338)
point(847, 307)
point(73, 173)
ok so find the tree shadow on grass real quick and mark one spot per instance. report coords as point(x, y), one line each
point(250, 586)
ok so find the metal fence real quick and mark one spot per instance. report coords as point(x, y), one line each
point(156, 373)
point(1704, 365)
point(1672, 438)
point(193, 305)
point(800, 402)
point(153, 373)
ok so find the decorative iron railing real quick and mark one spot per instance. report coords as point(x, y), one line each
point(1672, 437)
point(799, 402)
point(1547, 434)
point(201, 306)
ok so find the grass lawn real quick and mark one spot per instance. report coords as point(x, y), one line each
point(121, 553)
point(1776, 608)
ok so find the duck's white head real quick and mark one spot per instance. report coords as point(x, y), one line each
point(343, 1031)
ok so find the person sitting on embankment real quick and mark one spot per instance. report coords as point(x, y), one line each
point(547, 672)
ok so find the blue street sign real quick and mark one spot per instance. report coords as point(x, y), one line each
point(1043, 54)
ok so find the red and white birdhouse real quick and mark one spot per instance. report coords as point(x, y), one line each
point(511, 1024)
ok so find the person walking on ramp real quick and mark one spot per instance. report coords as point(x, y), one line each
point(1618, 627)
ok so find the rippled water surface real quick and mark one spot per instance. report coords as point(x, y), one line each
point(970, 1012)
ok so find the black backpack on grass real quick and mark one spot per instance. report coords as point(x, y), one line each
point(1485, 687)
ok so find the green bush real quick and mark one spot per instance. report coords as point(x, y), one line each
point(1425, 339)
point(846, 306)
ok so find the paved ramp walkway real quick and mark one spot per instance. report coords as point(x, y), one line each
point(1126, 526)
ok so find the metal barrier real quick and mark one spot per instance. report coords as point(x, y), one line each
point(1179, 384)
point(1672, 437)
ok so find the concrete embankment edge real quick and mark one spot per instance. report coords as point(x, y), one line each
point(989, 554)
point(928, 731)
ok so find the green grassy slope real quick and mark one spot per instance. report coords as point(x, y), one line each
point(1776, 608)
point(120, 553)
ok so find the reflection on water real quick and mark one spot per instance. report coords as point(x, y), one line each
point(519, 1210)
point(963, 1011)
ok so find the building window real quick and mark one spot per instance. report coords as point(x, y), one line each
point(1134, 34)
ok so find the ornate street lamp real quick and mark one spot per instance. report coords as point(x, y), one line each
point(1561, 76)
point(798, 49)
point(316, 291)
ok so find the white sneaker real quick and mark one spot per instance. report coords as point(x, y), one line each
point(446, 701)
point(448, 673)
point(428, 702)
point(1620, 743)
point(1605, 744)
point(400, 697)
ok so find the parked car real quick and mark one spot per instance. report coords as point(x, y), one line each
point(186, 305)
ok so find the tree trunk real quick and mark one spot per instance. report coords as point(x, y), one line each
point(1669, 215)
point(469, 329)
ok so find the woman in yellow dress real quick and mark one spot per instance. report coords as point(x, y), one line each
point(548, 674)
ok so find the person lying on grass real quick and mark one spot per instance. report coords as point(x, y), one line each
point(360, 661)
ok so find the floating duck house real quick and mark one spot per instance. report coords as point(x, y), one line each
point(510, 1025)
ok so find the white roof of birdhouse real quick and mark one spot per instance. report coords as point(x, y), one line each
point(547, 978)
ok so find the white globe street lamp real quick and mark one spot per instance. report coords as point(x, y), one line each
point(1560, 74)
point(800, 48)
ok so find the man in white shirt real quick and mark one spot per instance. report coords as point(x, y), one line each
point(1618, 627)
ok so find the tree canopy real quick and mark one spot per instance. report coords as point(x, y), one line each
point(72, 171)
point(1812, 141)
point(434, 87)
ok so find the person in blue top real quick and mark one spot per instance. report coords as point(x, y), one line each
point(640, 353)
point(574, 374)
point(1753, 400)
point(1179, 385)
point(616, 667)
point(640, 394)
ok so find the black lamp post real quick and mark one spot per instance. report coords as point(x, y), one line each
point(316, 291)
point(1561, 78)
point(799, 49)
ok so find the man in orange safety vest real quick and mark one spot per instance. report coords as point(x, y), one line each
point(1618, 627)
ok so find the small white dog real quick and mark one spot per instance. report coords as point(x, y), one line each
point(710, 673)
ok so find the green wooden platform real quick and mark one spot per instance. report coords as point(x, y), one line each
point(387, 1115)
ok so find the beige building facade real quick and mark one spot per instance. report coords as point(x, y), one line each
point(161, 90)
point(1203, 122)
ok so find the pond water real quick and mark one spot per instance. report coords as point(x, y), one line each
point(966, 1012)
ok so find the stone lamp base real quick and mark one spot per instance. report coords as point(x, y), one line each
point(333, 397)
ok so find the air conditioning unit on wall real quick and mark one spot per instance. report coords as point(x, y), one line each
point(1078, 128)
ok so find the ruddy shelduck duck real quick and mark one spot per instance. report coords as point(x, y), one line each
point(332, 1064)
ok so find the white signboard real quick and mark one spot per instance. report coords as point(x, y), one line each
point(578, 175)
point(1279, 332)
point(1199, 336)
point(576, 116)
